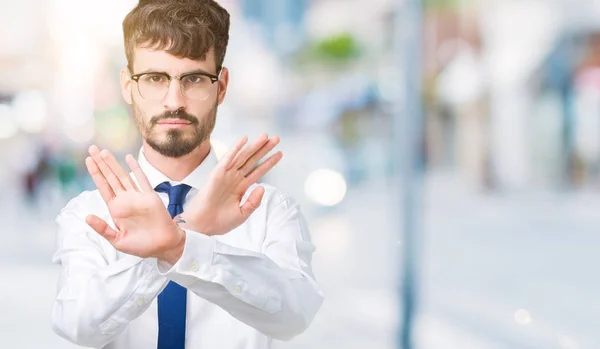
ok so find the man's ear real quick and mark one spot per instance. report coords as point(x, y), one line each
point(126, 83)
point(223, 83)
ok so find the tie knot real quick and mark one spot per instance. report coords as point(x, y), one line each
point(176, 193)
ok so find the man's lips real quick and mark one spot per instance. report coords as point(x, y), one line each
point(174, 122)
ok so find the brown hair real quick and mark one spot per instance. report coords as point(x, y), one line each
point(183, 28)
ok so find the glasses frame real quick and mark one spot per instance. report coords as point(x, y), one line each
point(213, 79)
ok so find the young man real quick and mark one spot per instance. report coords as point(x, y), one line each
point(185, 251)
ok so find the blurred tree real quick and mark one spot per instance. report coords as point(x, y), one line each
point(341, 47)
point(447, 4)
point(333, 53)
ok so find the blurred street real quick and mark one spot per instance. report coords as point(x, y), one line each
point(485, 257)
point(498, 105)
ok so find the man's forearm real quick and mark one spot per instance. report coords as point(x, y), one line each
point(280, 303)
point(94, 306)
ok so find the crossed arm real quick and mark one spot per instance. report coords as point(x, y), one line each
point(273, 291)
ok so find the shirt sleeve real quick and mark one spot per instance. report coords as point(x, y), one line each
point(274, 290)
point(97, 295)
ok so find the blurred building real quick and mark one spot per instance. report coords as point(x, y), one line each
point(281, 22)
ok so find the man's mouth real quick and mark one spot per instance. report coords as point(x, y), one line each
point(174, 123)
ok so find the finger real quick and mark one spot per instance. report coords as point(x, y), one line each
point(121, 174)
point(253, 201)
point(102, 228)
point(103, 187)
point(260, 154)
point(110, 176)
point(140, 176)
point(245, 153)
point(263, 168)
point(228, 159)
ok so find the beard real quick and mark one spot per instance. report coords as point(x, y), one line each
point(177, 142)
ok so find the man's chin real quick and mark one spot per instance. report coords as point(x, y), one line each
point(170, 151)
point(166, 137)
point(173, 147)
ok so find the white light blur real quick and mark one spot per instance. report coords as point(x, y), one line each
point(8, 125)
point(31, 111)
point(333, 234)
point(522, 317)
point(511, 28)
point(219, 148)
point(325, 18)
point(566, 342)
point(257, 80)
point(330, 17)
point(81, 134)
point(463, 79)
point(325, 187)
point(79, 56)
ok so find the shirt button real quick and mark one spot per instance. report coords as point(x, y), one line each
point(140, 302)
point(237, 289)
point(194, 266)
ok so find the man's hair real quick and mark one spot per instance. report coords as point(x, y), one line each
point(183, 28)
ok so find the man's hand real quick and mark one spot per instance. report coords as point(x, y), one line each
point(144, 227)
point(217, 208)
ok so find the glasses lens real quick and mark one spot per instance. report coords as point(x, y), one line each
point(196, 86)
point(153, 86)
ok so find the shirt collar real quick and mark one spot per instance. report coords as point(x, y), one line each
point(195, 179)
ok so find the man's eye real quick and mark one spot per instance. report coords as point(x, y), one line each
point(155, 78)
point(195, 79)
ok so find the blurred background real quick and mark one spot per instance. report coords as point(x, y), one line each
point(505, 177)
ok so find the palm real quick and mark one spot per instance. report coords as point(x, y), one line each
point(140, 221)
point(144, 228)
point(220, 199)
point(217, 209)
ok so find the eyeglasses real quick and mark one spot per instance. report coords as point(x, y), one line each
point(154, 86)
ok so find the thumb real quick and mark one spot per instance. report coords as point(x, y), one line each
point(253, 201)
point(101, 227)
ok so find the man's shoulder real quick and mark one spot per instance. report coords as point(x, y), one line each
point(272, 196)
point(87, 201)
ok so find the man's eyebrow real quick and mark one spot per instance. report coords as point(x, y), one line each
point(202, 71)
point(196, 71)
point(151, 71)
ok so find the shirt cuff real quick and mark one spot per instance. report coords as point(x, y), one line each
point(195, 262)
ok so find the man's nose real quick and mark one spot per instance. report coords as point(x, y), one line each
point(174, 100)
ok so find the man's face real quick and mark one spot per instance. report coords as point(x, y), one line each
point(175, 125)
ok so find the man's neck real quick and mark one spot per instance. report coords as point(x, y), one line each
point(177, 168)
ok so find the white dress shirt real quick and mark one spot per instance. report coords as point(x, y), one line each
point(245, 288)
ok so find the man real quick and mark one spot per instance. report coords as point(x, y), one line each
point(227, 263)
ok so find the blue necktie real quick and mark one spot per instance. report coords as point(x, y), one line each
point(172, 300)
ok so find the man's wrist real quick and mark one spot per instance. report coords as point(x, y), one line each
point(173, 255)
point(184, 222)
point(179, 220)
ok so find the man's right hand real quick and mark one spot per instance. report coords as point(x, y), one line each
point(144, 227)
